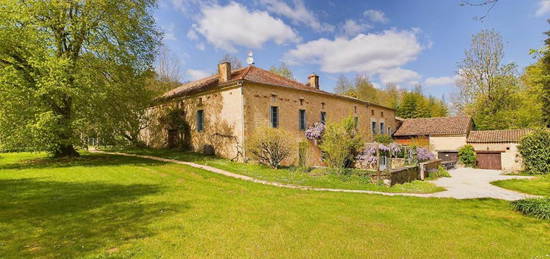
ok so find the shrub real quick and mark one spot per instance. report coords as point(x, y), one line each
point(441, 172)
point(535, 150)
point(303, 147)
point(271, 146)
point(536, 207)
point(384, 139)
point(467, 155)
point(340, 143)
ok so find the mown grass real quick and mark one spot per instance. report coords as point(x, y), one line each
point(101, 206)
point(290, 175)
point(540, 185)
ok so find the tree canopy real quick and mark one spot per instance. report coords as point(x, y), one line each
point(493, 93)
point(69, 67)
point(409, 104)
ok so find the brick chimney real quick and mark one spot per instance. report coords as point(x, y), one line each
point(313, 80)
point(224, 70)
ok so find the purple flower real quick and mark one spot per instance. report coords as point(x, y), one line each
point(316, 131)
point(423, 154)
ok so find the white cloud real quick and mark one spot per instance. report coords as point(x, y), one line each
point(544, 8)
point(298, 13)
point(200, 46)
point(192, 35)
point(376, 16)
point(444, 80)
point(372, 53)
point(196, 74)
point(169, 31)
point(234, 25)
point(352, 28)
point(399, 75)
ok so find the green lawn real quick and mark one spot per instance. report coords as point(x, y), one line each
point(540, 185)
point(315, 178)
point(102, 206)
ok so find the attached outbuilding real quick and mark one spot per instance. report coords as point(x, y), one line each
point(498, 149)
point(443, 135)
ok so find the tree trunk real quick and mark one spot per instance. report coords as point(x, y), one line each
point(65, 151)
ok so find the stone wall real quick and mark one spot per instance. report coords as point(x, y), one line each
point(425, 168)
point(223, 122)
point(398, 176)
point(259, 98)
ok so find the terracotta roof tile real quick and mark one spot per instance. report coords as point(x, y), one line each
point(434, 126)
point(497, 136)
point(250, 74)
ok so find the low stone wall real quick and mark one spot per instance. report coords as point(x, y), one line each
point(425, 168)
point(407, 174)
point(398, 176)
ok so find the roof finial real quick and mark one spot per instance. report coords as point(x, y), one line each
point(250, 59)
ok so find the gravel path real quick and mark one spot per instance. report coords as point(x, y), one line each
point(465, 183)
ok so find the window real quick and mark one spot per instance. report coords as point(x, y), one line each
point(373, 128)
point(355, 109)
point(322, 105)
point(382, 128)
point(274, 116)
point(382, 114)
point(389, 131)
point(302, 119)
point(273, 97)
point(356, 120)
point(200, 120)
point(324, 117)
point(301, 101)
point(372, 112)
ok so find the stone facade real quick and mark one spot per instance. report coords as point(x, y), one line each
point(233, 112)
point(510, 157)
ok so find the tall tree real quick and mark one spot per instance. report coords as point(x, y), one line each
point(487, 86)
point(235, 62)
point(343, 85)
point(67, 62)
point(282, 70)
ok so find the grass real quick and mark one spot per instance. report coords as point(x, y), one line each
point(101, 206)
point(315, 178)
point(536, 207)
point(540, 185)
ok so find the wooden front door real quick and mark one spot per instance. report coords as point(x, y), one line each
point(172, 138)
point(489, 160)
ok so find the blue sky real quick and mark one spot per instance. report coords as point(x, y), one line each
point(402, 42)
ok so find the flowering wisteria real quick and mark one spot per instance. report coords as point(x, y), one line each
point(316, 131)
point(369, 158)
point(423, 154)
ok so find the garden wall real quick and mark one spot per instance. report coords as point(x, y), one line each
point(398, 176)
point(425, 168)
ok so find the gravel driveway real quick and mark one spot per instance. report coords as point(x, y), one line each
point(475, 183)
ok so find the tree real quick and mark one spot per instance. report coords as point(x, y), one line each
point(340, 143)
point(488, 89)
point(67, 62)
point(234, 61)
point(283, 71)
point(535, 151)
point(343, 85)
point(270, 146)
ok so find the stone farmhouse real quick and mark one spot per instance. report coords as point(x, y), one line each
point(217, 114)
point(495, 149)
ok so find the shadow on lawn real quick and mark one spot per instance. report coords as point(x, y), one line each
point(62, 219)
point(87, 160)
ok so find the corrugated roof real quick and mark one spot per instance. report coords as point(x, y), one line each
point(497, 136)
point(434, 126)
point(250, 74)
